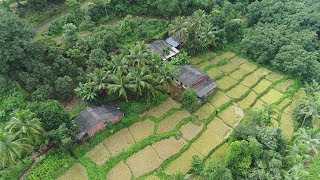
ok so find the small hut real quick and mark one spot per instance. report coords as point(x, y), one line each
point(92, 120)
point(191, 77)
point(160, 47)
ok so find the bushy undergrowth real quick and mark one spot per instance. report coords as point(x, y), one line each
point(14, 172)
point(53, 163)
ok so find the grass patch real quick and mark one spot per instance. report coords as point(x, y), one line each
point(246, 102)
point(219, 154)
point(232, 115)
point(219, 99)
point(250, 80)
point(205, 111)
point(77, 171)
point(219, 127)
point(228, 68)
point(214, 72)
point(284, 85)
point(206, 142)
point(160, 110)
point(262, 86)
point(170, 122)
point(237, 92)
point(274, 76)
point(99, 154)
point(271, 97)
point(239, 74)
point(287, 125)
point(226, 82)
point(314, 173)
point(249, 67)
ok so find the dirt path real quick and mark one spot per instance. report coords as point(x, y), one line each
point(36, 160)
point(48, 22)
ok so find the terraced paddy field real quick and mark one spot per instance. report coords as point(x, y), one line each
point(163, 142)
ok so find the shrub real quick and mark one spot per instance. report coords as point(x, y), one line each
point(15, 171)
point(44, 92)
point(51, 165)
point(181, 59)
point(307, 112)
point(197, 165)
point(216, 171)
point(189, 99)
point(51, 114)
point(63, 87)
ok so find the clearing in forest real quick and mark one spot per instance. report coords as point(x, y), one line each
point(165, 139)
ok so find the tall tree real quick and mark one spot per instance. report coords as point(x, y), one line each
point(11, 148)
point(25, 124)
point(15, 38)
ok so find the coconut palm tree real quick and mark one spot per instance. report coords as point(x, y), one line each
point(166, 74)
point(309, 110)
point(25, 124)
point(179, 28)
point(99, 78)
point(119, 63)
point(119, 84)
point(140, 80)
point(138, 54)
point(12, 147)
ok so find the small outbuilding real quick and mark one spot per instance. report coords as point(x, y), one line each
point(92, 120)
point(160, 47)
point(191, 77)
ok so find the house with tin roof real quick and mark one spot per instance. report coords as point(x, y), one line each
point(191, 77)
point(165, 48)
point(94, 119)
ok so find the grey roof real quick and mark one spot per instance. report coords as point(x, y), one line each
point(89, 117)
point(158, 46)
point(189, 75)
point(173, 42)
point(205, 90)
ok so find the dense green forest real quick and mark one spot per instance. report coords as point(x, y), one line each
point(97, 52)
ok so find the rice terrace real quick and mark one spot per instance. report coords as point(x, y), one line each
point(166, 137)
point(159, 89)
